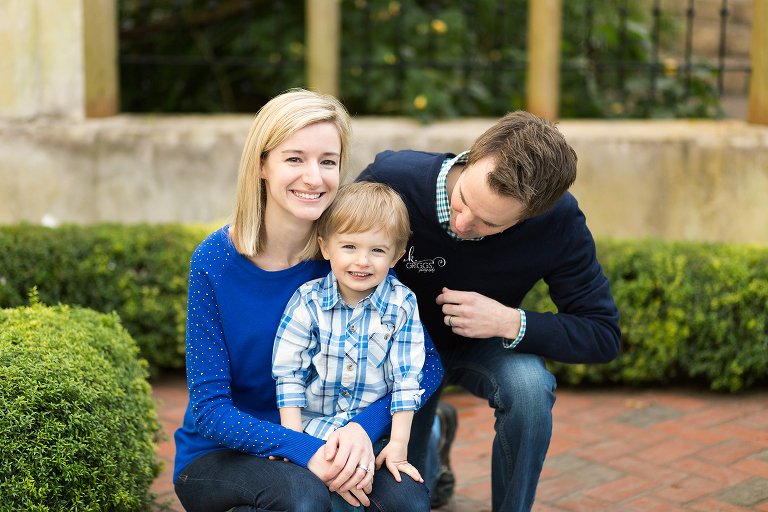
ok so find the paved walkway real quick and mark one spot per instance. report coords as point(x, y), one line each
point(612, 450)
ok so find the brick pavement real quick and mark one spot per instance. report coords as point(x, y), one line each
point(612, 450)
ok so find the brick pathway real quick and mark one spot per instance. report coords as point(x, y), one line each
point(612, 450)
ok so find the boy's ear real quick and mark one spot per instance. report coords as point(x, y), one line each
point(395, 260)
point(323, 248)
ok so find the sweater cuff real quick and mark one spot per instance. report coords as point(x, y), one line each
point(506, 342)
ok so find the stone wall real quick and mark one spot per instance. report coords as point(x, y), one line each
point(683, 180)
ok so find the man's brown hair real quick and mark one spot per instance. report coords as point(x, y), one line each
point(533, 163)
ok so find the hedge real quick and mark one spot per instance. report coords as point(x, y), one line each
point(77, 422)
point(139, 271)
point(690, 311)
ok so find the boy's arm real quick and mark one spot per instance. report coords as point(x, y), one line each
point(401, 428)
point(290, 417)
point(395, 454)
point(292, 354)
point(406, 356)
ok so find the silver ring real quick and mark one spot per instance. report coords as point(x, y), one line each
point(450, 320)
point(364, 468)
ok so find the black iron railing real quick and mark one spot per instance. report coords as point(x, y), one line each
point(429, 59)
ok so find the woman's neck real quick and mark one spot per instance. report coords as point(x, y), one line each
point(285, 242)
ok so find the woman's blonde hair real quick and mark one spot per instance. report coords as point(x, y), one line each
point(365, 206)
point(275, 122)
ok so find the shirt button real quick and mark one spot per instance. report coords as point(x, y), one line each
point(349, 367)
point(353, 328)
point(386, 336)
point(346, 394)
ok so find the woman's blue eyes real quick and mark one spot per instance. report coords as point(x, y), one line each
point(297, 160)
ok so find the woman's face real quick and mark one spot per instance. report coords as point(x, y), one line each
point(302, 173)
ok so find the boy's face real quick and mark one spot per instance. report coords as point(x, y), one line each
point(360, 261)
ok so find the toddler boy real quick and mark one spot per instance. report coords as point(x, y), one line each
point(354, 336)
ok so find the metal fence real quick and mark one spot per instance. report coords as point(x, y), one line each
point(426, 59)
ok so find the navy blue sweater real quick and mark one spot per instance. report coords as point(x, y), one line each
point(556, 247)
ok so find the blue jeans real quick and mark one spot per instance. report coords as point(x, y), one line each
point(521, 391)
point(225, 479)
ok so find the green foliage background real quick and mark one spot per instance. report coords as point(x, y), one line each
point(139, 271)
point(690, 312)
point(418, 58)
point(77, 422)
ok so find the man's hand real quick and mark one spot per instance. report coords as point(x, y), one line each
point(473, 315)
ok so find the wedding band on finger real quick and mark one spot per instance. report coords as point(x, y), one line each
point(364, 468)
point(450, 320)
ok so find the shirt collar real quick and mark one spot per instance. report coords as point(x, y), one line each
point(443, 201)
point(330, 295)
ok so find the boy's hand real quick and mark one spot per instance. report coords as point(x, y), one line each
point(395, 454)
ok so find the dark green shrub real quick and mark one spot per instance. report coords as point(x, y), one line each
point(688, 311)
point(77, 422)
point(139, 271)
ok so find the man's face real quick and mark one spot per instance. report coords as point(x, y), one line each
point(478, 211)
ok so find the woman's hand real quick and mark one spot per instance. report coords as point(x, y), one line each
point(356, 489)
point(350, 449)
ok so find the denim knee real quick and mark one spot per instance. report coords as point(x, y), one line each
point(392, 496)
point(526, 391)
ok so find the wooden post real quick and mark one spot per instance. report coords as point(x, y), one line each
point(100, 43)
point(542, 79)
point(58, 58)
point(758, 82)
point(323, 45)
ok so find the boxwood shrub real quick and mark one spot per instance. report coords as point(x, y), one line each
point(77, 422)
point(139, 271)
point(689, 311)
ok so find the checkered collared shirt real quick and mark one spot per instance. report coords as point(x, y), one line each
point(444, 217)
point(333, 360)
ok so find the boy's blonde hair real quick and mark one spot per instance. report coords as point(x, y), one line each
point(275, 122)
point(364, 206)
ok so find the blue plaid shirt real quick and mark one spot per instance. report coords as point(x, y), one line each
point(444, 217)
point(333, 360)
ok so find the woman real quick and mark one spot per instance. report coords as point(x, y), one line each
point(231, 452)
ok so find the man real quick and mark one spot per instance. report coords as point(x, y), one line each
point(487, 225)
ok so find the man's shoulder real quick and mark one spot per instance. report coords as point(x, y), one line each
point(401, 165)
point(566, 208)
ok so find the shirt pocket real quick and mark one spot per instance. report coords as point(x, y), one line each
point(378, 346)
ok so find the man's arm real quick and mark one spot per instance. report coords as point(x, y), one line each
point(473, 315)
point(586, 327)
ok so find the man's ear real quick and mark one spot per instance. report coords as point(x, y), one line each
point(323, 248)
point(395, 260)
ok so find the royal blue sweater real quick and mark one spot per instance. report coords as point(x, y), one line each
point(233, 312)
point(556, 247)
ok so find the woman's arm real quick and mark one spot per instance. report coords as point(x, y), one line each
point(208, 377)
